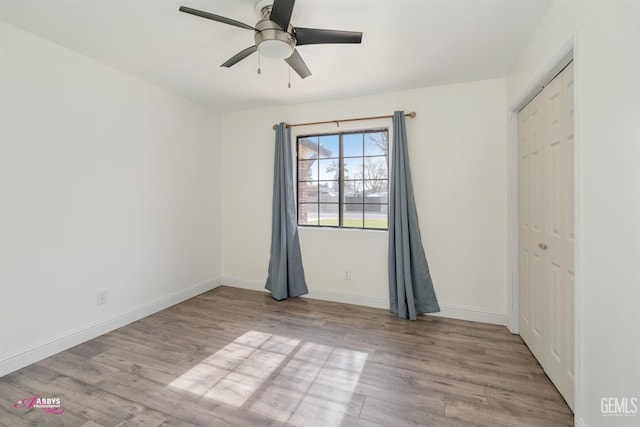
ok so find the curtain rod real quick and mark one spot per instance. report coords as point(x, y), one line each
point(337, 122)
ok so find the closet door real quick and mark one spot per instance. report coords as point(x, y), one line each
point(558, 238)
point(531, 201)
point(546, 230)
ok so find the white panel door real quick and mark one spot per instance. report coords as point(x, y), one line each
point(558, 238)
point(546, 230)
point(531, 227)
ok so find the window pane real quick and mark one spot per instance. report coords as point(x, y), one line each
point(329, 146)
point(308, 214)
point(373, 187)
point(307, 170)
point(329, 169)
point(375, 168)
point(328, 191)
point(352, 215)
point(352, 144)
point(376, 144)
point(377, 192)
point(329, 214)
point(353, 168)
point(353, 191)
point(308, 192)
point(308, 147)
point(375, 216)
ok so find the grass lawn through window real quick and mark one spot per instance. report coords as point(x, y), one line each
point(351, 222)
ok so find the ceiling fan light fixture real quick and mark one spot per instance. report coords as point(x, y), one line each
point(276, 49)
point(272, 41)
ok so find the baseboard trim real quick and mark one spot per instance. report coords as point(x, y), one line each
point(41, 350)
point(472, 314)
point(343, 297)
point(448, 311)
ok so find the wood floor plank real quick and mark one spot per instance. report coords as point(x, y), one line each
point(21, 416)
point(432, 400)
point(401, 382)
point(524, 384)
point(73, 366)
point(234, 357)
point(392, 415)
point(145, 420)
point(551, 408)
point(139, 364)
point(80, 398)
point(478, 415)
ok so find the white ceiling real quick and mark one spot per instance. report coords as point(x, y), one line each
point(406, 44)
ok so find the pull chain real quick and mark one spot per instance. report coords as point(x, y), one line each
point(259, 71)
point(289, 77)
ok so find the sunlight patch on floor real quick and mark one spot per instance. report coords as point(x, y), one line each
point(307, 380)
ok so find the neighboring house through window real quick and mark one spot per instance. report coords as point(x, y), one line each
point(343, 179)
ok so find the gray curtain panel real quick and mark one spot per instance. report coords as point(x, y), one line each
point(410, 286)
point(286, 274)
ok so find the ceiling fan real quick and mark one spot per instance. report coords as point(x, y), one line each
point(276, 37)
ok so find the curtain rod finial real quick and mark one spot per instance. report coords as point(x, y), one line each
point(412, 114)
point(274, 127)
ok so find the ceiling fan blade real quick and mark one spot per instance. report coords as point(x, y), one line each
point(239, 56)
point(281, 12)
point(318, 36)
point(218, 18)
point(296, 62)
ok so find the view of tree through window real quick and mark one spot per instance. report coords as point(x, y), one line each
point(343, 179)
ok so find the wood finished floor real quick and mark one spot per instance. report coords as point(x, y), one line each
point(233, 357)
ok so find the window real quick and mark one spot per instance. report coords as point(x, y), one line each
point(343, 179)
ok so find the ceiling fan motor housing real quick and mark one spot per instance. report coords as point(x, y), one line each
point(273, 41)
point(263, 8)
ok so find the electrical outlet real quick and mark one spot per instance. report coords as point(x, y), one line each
point(101, 297)
point(347, 274)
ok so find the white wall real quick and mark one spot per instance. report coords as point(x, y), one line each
point(458, 147)
point(106, 182)
point(607, 106)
